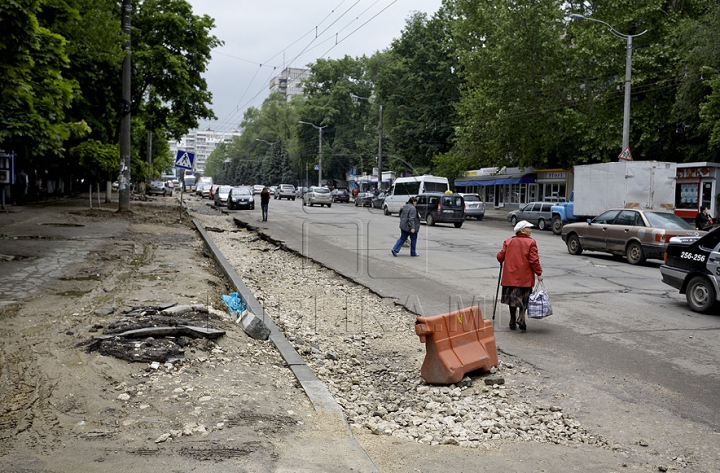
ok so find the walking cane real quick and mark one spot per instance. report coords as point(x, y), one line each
point(497, 292)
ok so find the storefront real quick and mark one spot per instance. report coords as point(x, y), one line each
point(514, 187)
point(695, 187)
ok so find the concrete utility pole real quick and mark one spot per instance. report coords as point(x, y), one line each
point(628, 72)
point(319, 129)
point(149, 157)
point(124, 189)
point(380, 150)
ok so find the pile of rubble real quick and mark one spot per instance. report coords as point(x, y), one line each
point(156, 333)
point(365, 350)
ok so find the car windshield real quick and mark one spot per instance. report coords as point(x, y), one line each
point(241, 191)
point(667, 220)
point(471, 198)
point(320, 190)
point(224, 190)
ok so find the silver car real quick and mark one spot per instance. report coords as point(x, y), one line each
point(317, 195)
point(537, 213)
point(474, 206)
point(221, 195)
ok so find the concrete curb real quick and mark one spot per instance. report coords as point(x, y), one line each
point(316, 391)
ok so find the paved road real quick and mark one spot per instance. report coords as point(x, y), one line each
point(622, 349)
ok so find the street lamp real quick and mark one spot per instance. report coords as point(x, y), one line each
point(628, 67)
point(380, 167)
point(319, 129)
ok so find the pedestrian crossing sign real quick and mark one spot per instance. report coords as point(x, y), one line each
point(625, 155)
point(184, 160)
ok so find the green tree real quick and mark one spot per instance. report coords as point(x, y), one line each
point(417, 80)
point(34, 93)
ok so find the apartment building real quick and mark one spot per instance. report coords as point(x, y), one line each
point(202, 143)
point(288, 83)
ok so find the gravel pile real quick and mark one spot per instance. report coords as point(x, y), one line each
point(364, 348)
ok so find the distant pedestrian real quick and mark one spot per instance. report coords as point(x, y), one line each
point(703, 221)
point(409, 227)
point(22, 185)
point(264, 202)
point(520, 263)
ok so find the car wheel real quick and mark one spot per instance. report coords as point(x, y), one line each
point(557, 225)
point(513, 220)
point(304, 203)
point(458, 224)
point(573, 245)
point(430, 220)
point(356, 203)
point(386, 210)
point(230, 205)
point(293, 198)
point(329, 205)
point(700, 294)
point(635, 253)
point(541, 224)
point(480, 218)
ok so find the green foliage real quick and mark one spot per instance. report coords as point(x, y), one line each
point(417, 80)
point(34, 94)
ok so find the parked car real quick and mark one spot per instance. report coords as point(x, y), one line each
point(206, 191)
point(286, 191)
point(340, 195)
point(301, 191)
point(537, 213)
point(169, 187)
point(474, 206)
point(257, 189)
point(221, 195)
point(441, 208)
point(692, 265)
point(317, 195)
point(241, 198)
point(364, 199)
point(636, 234)
point(378, 200)
point(201, 188)
point(272, 190)
point(156, 188)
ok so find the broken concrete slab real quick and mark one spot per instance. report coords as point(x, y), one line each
point(177, 310)
point(166, 331)
point(254, 326)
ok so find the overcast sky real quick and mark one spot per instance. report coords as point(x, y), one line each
point(264, 36)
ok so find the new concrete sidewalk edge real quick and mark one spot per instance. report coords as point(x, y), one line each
point(317, 392)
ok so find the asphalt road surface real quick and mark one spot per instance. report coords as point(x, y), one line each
point(622, 348)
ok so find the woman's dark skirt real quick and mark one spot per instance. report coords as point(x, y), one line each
point(516, 296)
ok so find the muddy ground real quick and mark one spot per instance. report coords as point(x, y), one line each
point(64, 408)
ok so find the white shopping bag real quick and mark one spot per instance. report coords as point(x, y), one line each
point(539, 304)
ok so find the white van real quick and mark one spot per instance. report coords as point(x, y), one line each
point(405, 187)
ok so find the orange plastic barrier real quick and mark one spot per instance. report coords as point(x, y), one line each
point(456, 343)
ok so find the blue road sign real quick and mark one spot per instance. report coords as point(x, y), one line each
point(184, 160)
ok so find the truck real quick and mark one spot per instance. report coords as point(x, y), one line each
point(603, 186)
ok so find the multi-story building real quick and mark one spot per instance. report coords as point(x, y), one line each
point(202, 143)
point(288, 83)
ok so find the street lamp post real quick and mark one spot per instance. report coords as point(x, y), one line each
point(380, 124)
point(319, 129)
point(628, 69)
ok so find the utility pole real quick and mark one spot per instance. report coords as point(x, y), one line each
point(319, 129)
point(149, 157)
point(124, 189)
point(380, 150)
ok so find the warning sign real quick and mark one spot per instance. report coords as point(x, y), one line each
point(625, 155)
point(184, 160)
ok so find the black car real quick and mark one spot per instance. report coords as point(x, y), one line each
point(692, 265)
point(340, 195)
point(241, 198)
point(364, 199)
point(377, 201)
point(441, 208)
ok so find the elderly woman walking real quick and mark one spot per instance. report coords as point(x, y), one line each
point(520, 264)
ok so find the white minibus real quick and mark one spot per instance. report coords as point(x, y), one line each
point(405, 187)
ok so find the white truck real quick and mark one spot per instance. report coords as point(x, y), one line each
point(405, 187)
point(632, 184)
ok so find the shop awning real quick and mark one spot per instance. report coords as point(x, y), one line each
point(496, 180)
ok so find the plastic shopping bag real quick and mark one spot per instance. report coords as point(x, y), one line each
point(539, 304)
